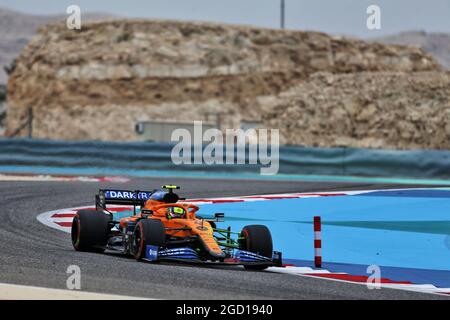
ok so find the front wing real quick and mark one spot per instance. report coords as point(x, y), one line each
point(188, 255)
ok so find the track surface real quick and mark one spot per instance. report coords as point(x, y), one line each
point(34, 254)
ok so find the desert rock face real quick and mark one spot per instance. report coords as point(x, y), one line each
point(318, 90)
point(435, 43)
point(378, 110)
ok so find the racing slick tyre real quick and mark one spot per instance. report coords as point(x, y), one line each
point(148, 232)
point(90, 230)
point(257, 239)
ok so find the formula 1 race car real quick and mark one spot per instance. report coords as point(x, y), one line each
point(168, 230)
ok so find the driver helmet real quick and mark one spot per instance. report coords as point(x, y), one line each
point(175, 212)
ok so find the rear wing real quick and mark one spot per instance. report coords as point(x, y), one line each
point(121, 197)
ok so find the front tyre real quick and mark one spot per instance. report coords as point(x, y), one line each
point(257, 239)
point(90, 230)
point(148, 232)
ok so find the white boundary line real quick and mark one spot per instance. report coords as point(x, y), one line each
point(303, 272)
point(49, 177)
point(21, 292)
point(45, 218)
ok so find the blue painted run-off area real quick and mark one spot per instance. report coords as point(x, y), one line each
point(407, 233)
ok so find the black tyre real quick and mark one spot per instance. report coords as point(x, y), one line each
point(148, 232)
point(257, 239)
point(90, 230)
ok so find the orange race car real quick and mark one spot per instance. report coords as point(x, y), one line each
point(165, 229)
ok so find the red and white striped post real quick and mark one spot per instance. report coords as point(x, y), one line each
point(317, 242)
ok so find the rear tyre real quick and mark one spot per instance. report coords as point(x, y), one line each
point(256, 239)
point(90, 231)
point(148, 232)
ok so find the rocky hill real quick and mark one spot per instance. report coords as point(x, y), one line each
point(16, 30)
point(437, 44)
point(386, 109)
point(96, 83)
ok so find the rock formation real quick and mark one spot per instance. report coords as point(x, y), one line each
point(317, 89)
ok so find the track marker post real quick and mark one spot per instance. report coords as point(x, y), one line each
point(317, 242)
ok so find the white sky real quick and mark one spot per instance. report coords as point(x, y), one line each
point(332, 16)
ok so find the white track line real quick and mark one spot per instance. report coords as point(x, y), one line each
point(19, 292)
point(309, 272)
point(40, 178)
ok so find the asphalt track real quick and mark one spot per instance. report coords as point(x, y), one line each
point(36, 255)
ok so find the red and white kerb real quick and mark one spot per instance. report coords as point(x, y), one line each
point(317, 242)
